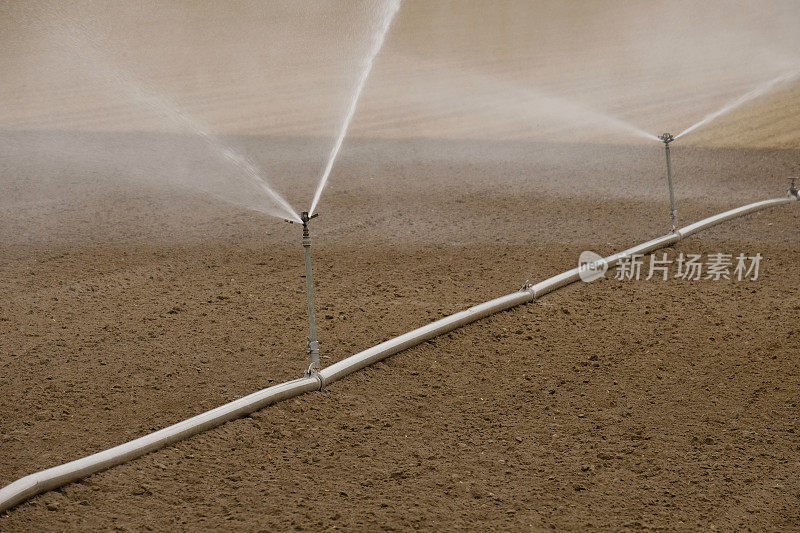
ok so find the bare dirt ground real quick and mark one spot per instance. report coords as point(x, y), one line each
point(614, 405)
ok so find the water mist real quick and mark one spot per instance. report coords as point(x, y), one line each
point(390, 8)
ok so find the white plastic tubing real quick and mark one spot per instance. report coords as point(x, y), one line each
point(57, 476)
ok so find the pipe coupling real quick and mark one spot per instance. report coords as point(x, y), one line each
point(312, 349)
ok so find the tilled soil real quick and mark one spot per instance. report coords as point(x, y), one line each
point(615, 405)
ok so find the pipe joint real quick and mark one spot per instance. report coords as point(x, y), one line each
point(312, 349)
point(527, 287)
point(793, 191)
point(314, 374)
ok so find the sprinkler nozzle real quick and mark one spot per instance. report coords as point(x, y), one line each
point(304, 218)
point(666, 138)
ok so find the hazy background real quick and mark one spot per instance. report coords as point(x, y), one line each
point(147, 100)
point(448, 68)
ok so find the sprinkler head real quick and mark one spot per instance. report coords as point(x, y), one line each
point(666, 138)
point(305, 218)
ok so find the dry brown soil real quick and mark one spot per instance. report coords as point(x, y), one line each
point(615, 405)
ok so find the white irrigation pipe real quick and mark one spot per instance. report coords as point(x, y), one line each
point(383, 350)
point(57, 476)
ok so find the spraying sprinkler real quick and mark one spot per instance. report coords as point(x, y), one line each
point(667, 138)
point(312, 347)
point(793, 191)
